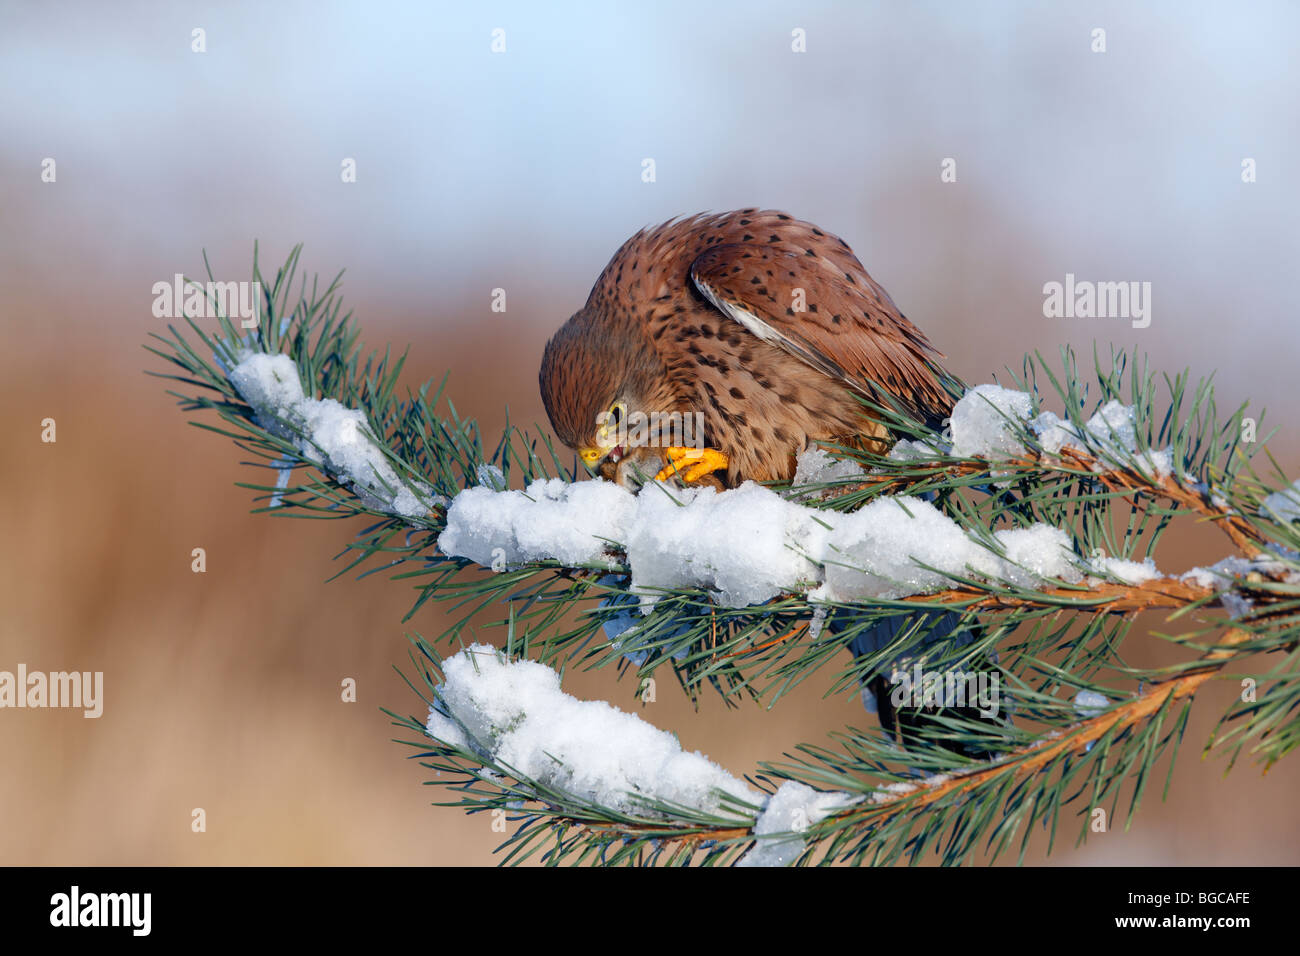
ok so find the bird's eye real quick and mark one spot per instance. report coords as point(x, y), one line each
point(616, 412)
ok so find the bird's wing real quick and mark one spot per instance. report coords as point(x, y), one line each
point(848, 328)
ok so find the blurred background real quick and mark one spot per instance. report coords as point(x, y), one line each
point(522, 170)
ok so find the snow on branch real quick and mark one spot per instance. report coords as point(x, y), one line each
point(751, 544)
point(1284, 505)
point(986, 422)
point(746, 545)
point(327, 434)
point(513, 714)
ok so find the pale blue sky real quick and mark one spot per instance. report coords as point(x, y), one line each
point(522, 169)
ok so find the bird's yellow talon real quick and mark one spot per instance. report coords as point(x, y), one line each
point(697, 462)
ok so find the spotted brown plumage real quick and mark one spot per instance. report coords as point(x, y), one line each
point(772, 330)
point(766, 325)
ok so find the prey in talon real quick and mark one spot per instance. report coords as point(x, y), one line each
point(714, 349)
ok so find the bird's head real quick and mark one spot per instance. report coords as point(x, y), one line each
point(596, 375)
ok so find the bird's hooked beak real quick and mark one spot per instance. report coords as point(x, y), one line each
point(607, 441)
point(593, 456)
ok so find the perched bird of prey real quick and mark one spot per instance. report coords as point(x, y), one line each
point(771, 332)
point(766, 326)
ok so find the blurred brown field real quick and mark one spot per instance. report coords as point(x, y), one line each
point(523, 172)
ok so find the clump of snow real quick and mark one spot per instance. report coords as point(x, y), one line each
point(1089, 703)
point(1128, 572)
point(1219, 576)
point(1222, 576)
point(515, 713)
point(1036, 553)
point(892, 791)
point(1205, 578)
point(746, 545)
point(490, 476)
point(270, 384)
point(326, 433)
point(984, 422)
point(1237, 605)
point(1155, 464)
point(899, 546)
point(905, 449)
point(749, 544)
point(1111, 434)
point(882, 546)
point(1284, 506)
point(1112, 430)
point(442, 727)
point(786, 814)
point(817, 623)
point(1054, 432)
point(817, 466)
point(1222, 573)
point(550, 520)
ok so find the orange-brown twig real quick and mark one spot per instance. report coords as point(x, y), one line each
point(1040, 754)
point(1104, 598)
point(1242, 534)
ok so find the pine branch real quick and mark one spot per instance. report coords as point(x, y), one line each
point(1044, 755)
point(400, 461)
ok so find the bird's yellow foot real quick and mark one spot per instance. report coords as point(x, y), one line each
point(691, 464)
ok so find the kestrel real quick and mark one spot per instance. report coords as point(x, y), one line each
point(765, 325)
point(769, 329)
